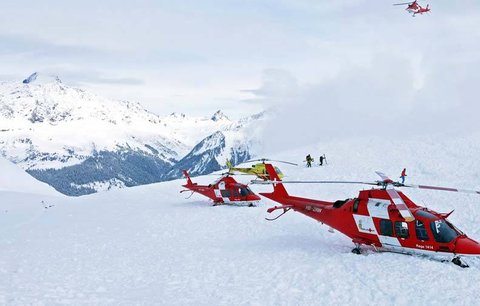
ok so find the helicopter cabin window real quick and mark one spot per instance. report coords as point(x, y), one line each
point(386, 228)
point(225, 193)
point(355, 205)
point(442, 232)
point(236, 192)
point(420, 230)
point(245, 191)
point(401, 229)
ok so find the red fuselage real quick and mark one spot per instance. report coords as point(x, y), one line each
point(372, 219)
point(226, 190)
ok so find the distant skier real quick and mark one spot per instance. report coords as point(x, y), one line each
point(309, 160)
point(403, 175)
point(322, 157)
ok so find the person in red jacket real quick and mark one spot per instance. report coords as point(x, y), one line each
point(403, 175)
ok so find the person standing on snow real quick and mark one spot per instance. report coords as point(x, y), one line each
point(309, 161)
point(403, 175)
point(321, 160)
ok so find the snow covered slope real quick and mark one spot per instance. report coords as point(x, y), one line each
point(81, 143)
point(15, 179)
point(149, 245)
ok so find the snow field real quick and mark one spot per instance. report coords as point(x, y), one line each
point(149, 245)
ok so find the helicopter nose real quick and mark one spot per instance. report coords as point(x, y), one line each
point(467, 246)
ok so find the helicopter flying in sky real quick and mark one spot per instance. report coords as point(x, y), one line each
point(414, 8)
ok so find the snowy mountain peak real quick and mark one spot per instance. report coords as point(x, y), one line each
point(215, 140)
point(80, 142)
point(219, 115)
point(31, 78)
point(41, 78)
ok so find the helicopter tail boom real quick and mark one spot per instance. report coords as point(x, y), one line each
point(281, 196)
point(279, 190)
point(229, 165)
point(187, 176)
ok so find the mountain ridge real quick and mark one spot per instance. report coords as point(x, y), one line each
point(81, 143)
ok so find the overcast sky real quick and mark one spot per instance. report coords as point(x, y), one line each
point(355, 58)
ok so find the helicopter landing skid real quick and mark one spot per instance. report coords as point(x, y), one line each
point(285, 210)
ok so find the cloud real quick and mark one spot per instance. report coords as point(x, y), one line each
point(80, 77)
point(276, 83)
point(391, 97)
point(363, 60)
point(38, 49)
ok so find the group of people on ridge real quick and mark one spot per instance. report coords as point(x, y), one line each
point(309, 160)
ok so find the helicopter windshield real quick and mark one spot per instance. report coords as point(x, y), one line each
point(277, 170)
point(245, 191)
point(442, 232)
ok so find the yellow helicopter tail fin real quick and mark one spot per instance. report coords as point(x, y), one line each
point(229, 164)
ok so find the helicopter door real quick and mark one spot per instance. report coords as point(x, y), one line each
point(386, 235)
point(423, 239)
point(222, 192)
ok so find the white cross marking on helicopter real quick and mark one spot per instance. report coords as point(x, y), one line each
point(365, 224)
point(378, 208)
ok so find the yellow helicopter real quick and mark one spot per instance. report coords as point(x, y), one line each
point(258, 169)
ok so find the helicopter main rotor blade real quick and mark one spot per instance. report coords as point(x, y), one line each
point(312, 182)
point(399, 203)
point(383, 176)
point(285, 162)
point(442, 188)
point(255, 160)
point(404, 3)
point(263, 160)
point(228, 173)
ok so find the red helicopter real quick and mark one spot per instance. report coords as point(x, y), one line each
point(415, 8)
point(225, 190)
point(421, 10)
point(383, 218)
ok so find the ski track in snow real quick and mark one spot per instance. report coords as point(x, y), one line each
point(149, 245)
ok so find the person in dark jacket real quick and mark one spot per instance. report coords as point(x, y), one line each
point(309, 160)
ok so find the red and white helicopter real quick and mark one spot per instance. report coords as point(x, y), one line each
point(225, 190)
point(421, 10)
point(383, 218)
point(415, 8)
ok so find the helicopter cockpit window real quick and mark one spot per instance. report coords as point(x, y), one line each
point(244, 191)
point(225, 193)
point(386, 227)
point(442, 232)
point(420, 230)
point(355, 205)
point(401, 229)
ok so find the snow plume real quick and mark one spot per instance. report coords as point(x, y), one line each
point(392, 95)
